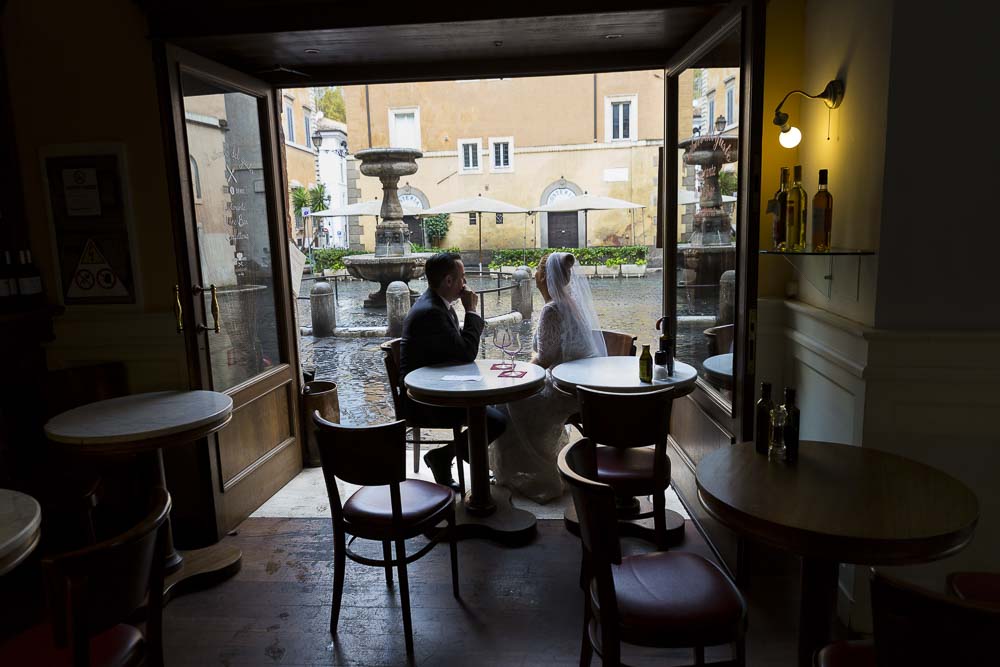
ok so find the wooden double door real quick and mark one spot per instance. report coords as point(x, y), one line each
point(233, 298)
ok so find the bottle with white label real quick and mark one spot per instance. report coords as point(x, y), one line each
point(29, 280)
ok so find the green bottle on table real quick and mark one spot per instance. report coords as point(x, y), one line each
point(645, 365)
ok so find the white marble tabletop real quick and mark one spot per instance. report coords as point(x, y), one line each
point(617, 374)
point(430, 380)
point(139, 417)
point(719, 366)
point(20, 524)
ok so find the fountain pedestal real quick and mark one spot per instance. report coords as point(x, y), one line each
point(392, 260)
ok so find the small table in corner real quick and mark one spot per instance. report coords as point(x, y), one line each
point(20, 527)
point(146, 424)
point(487, 510)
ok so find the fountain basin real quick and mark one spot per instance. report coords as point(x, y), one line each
point(384, 269)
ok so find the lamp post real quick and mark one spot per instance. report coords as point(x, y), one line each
point(720, 124)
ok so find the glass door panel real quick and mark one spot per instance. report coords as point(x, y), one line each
point(229, 189)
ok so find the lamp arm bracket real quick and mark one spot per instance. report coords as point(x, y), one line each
point(832, 95)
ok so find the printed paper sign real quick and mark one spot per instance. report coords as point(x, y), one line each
point(83, 197)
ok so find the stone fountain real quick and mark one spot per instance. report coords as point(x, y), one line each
point(392, 259)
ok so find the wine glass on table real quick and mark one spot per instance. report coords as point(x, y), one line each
point(513, 349)
point(501, 340)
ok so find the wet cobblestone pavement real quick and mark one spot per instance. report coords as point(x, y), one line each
point(355, 364)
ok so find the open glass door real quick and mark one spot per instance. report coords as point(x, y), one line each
point(235, 295)
point(711, 217)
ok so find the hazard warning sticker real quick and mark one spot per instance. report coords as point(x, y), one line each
point(94, 276)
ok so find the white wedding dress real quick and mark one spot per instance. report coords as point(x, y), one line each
point(524, 457)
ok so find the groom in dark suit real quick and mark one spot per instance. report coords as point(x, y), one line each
point(432, 335)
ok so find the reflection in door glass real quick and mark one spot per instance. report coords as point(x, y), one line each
point(706, 243)
point(231, 213)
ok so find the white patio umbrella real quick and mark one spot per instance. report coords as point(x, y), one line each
point(369, 207)
point(477, 205)
point(587, 202)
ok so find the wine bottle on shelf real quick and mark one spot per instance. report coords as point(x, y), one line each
point(29, 280)
point(822, 215)
point(645, 365)
point(780, 218)
point(8, 284)
point(776, 438)
point(762, 418)
point(791, 429)
point(795, 236)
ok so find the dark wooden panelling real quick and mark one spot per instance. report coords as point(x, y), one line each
point(259, 484)
point(256, 429)
point(695, 431)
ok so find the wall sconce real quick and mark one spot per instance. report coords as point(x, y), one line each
point(790, 136)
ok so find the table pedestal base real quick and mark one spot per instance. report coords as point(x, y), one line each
point(507, 524)
point(202, 568)
point(817, 607)
point(639, 528)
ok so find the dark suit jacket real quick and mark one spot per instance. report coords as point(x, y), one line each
point(431, 335)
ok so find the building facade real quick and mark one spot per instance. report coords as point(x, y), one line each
point(298, 127)
point(331, 172)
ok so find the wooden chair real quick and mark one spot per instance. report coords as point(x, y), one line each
point(982, 587)
point(914, 627)
point(398, 391)
point(387, 508)
point(720, 339)
point(624, 425)
point(619, 344)
point(669, 599)
point(93, 595)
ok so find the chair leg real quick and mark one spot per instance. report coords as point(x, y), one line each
point(339, 560)
point(611, 649)
point(586, 648)
point(455, 435)
point(387, 557)
point(741, 651)
point(660, 518)
point(699, 655)
point(453, 544)
point(404, 595)
point(416, 450)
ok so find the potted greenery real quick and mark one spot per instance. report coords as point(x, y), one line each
point(610, 268)
point(638, 269)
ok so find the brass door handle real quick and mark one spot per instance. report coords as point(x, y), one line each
point(178, 311)
point(216, 319)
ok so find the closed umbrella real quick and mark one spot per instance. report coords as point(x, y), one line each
point(587, 202)
point(477, 205)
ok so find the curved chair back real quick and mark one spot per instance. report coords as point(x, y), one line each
point(102, 585)
point(720, 339)
point(915, 627)
point(391, 350)
point(626, 420)
point(362, 455)
point(594, 502)
point(619, 344)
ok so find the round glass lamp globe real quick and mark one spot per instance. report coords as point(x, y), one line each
point(791, 138)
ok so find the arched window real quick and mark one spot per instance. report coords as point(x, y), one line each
point(195, 179)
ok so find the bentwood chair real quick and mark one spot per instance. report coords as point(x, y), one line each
point(619, 344)
point(95, 593)
point(387, 508)
point(390, 349)
point(625, 426)
point(914, 627)
point(982, 587)
point(667, 599)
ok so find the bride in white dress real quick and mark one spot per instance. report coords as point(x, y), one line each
point(524, 457)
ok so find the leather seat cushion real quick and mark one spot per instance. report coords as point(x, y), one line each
point(674, 598)
point(419, 499)
point(119, 645)
point(981, 587)
point(847, 654)
point(628, 470)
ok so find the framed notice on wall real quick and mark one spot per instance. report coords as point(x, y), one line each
point(91, 215)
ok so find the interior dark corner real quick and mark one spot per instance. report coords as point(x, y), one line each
point(550, 300)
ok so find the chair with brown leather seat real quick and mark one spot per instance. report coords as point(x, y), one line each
point(914, 627)
point(398, 390)
point(720, 339)
point(387, 508)
point(94, 593)
point(624, 426)
point(667, 599)
point(619, 344)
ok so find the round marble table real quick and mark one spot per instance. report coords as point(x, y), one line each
point(621, 374)
point(719, 369)
point(837, 504)
point(146, 423)
point(20, 527)
point(487, 511)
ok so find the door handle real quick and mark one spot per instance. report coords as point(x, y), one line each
point(178, 310)
point(216, 319)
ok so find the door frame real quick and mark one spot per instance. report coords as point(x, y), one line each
point(203, 463)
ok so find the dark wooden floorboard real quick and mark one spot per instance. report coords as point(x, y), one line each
point(519, 607)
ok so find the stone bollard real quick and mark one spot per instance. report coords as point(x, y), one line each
point(397, 305)
point(520, 296)
point(324, 309)
point(727, 298)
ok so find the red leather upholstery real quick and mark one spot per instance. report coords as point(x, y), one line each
point(981, 587)
point(627, 471)
point(674, 598)
point(419, 499)
point(119, 645)
point(847, 654)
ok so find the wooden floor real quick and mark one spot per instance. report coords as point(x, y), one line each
point(519, 606)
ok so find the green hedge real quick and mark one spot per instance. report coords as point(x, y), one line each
point(332, 258)
point(604, 255)
point(416, 247)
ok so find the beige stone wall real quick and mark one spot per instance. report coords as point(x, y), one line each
point(300, 157)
